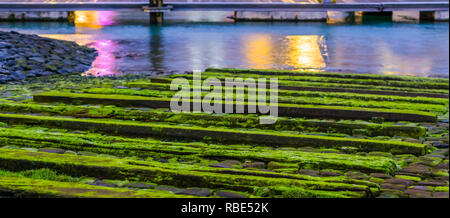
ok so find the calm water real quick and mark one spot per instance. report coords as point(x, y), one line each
point(127, 45)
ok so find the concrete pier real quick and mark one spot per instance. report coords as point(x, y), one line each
point(441, 16)
point(279, 16)
point(244, 11)
point(406, 16)
point(37, 16)
point(339, 16)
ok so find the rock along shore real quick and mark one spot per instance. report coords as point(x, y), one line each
point(23, 56)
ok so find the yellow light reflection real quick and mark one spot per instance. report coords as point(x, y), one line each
point(80, 39)
point(419, 66)
point(258, 51)
point(305, 52)
point(94, 19)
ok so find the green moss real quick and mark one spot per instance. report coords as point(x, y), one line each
point(220, 135)
point(323, 82)
point(143, 171)
point(290, 110)
point(294, 192)
point(441, 189)
point(318, 99)
point(326, 74)
point(118, 146)
point(45, 174)
point(412, 178)
point(25, 187)
point(226, 120)
point(288, 93)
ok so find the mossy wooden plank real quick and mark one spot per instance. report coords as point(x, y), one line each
point(109, 168)
point(37, 188)
point(345, 88)
point(328, 100)
point(326, 74)
point(220, 135)
point(153, 87)
point(226, 120)
point(288, 110)
point(357, 81)
point(113, 145)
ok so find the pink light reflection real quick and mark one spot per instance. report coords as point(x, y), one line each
point(103, 65)
point(106, 18)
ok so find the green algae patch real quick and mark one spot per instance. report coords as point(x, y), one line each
point(294, 192)
point(26, 187)
point(109, 168)
point(163, 89)
point(327, 74)
point(369, 82)
point(360, 86)
point(308, 98)
point(225, 120)
point(288, 110)
point(441, 189)
point(122, 147)
point(129, 128)
point(45, 174)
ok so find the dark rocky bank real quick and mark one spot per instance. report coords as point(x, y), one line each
point(24, 56)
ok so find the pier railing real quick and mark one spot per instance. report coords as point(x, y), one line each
point(156, 8)
point(226, 6)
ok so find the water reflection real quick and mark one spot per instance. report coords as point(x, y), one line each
point(85, 22)
point(410, 65)
point(103, 65)
point(130, 47)
point(305, 51)
point(259, 51)
point(94, 19)
point(156, 49)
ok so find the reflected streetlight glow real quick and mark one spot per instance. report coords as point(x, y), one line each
point(305, 52)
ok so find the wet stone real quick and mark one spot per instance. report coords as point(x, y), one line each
point(440, 156)
point(389, 195)
point(417, 169)
point(441, 165)
point(25, 56)
point(380, 175)
point(419, 187)
point(229, 194)
point(202, 192)
point(140, 186)
point(392, 193)
point(52, 150)
point(104, 184)
point(418, 193)
point(220, 165)
point(432, 183)
point(172, 189)
point(309, 172)
point(256, 165)
point(440, 145)
point(357, 175)
point(393, 186)
point(231, 162)
point(398, 181)
point(329, 173)
point(429, 160)
point(440, 195)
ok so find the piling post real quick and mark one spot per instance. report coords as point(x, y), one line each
point(156, 17)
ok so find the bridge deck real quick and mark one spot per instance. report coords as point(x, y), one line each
point(226, 6)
